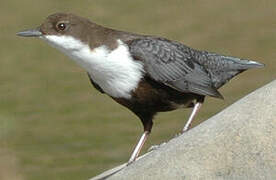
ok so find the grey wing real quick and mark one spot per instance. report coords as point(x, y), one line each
point(172, 64)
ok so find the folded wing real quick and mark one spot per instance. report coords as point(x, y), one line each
point(173, 64)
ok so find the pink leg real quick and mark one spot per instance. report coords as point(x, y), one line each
point(138, 147)
point(194, 112)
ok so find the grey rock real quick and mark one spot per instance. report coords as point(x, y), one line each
point(237, 143)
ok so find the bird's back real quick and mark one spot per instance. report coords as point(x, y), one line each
point(186, 69)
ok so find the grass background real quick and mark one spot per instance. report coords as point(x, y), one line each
point(54, 125)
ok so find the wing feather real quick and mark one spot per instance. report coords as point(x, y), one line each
point(173, 64)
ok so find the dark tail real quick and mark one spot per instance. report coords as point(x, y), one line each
point(228, 67)
point(241, 64)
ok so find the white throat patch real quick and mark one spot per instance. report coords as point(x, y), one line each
point(113, 70)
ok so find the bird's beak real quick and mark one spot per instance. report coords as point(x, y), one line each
point(30, 33)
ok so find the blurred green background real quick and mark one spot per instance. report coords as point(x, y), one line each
point(54, 125)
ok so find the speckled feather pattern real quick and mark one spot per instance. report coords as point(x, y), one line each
point(187, 69)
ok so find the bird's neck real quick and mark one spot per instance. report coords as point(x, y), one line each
point(114, 70)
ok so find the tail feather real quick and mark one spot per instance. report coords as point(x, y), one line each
point(251, 64)
point(228, 67)
point(236, 63)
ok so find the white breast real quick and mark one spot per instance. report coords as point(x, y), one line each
point(114, 71)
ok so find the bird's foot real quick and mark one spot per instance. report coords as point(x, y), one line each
point(184, 130)
point(154, 147)
point(129, 163)
point(178, 134)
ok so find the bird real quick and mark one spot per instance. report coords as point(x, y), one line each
point(146, 74)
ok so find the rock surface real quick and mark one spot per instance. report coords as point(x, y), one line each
point(237, 143)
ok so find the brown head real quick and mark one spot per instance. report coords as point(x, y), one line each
point(67, 24)
point(58, 24)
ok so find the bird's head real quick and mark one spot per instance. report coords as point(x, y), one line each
point(62, 30)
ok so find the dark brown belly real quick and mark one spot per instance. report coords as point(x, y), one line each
point(152, 97)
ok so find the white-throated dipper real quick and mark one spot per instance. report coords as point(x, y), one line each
point(146, 74)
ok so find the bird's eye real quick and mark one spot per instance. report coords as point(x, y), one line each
point(61, 26)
